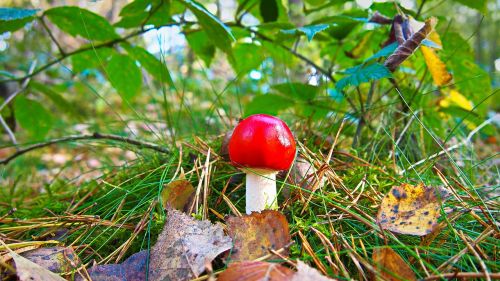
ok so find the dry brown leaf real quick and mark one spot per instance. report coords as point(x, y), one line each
point(184, 246)
point(436, 67)
point(254, 234)
point(255, 271)
point(307, 273)
point(27, 270)
point(132, 269)
point(178, 194)
point(55, 259)
point(305, 175)
point(409, 46)
point(409, 209)
point(391, 266)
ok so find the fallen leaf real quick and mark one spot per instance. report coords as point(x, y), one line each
point(305, 175)
point(409, 209)
point(178, 194)
point(132, 269)
point(183, 247)
point(255, 271)
point(56, 259)
point(454, 98)
point(253, 234)
point(27, 270)
point(437, 68)
point(307, 273)
point(391, 266)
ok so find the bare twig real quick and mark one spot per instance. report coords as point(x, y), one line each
point(466, 275)
point(94, 136)
point(44, 24)
point(26, 81)
point(8, 130)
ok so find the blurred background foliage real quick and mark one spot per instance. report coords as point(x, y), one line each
point(165, 71)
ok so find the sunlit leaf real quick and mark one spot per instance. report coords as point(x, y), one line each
point(77, 21)
point(409, 209)
point(177, 194)
point(268, 104)
point(91, 59)
point(436, 67)
point(480, 5)
point(297, 90)
point(124, 76)
point(309, 31)
point(33, 117)
point(248, 56)
point(154, 66)
point(201, 45)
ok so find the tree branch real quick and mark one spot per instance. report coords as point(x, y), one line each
point(94, 136)
point(8, 130)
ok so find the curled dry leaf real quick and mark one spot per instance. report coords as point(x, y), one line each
point(254, 234)
point(132, 269)
point(184, 246)
point(307, 273)
point(178, 194)
point(256, 271)
point(406, 48)
point(409, 209)
point(391, 266)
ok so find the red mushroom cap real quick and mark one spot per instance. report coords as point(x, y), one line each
point(263, 142)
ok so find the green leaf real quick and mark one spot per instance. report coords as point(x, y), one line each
point(217, 31)
point(90, 59)
point(137, 13)
point(362, 73)
point(153, 65)
point(77, 21)
point(201, 45)
point(309, 30)
point(480, 5)
point(124, 76)
point(268, 104)
point(464, 116)
point(269, 10)
point(13, 25)
point(9, 14)
point(342, 25)
point(248, 56)
point(33, 117)
point(297, 90)
point(386, 51)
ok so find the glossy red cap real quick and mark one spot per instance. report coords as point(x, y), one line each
point(262, 142)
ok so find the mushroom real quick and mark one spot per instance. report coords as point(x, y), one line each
point(261, 146)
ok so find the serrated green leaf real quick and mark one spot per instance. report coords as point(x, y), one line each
point(33, 117)
point(309, 30)
point(77, 21)
point(201, 45)
point(153, 65)
point(297, 90)
point(269, 10)
point(124, 76)
point(90, 59)
point(248, 56)
point(9, 14)
point(361, 74)
point(217, 31)
point(480, 5)
point(268, 104)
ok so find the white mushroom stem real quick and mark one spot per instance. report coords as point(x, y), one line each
point(260, 190)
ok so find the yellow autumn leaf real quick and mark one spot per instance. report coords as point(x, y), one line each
point(409, 209)
point(436, 67)
point(454, 98)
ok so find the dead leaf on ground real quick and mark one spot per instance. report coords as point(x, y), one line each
point(409, 209)
point(391, 266)
point(307, 273)
point(132, 269)
point(178, 194)
point(253, 234)
point(184, 246)
point(27, 270)
point(256, 271)
point(305, 175)
point(56, 259)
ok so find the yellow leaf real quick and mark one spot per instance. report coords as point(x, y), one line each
point(454, 98)
point(391, 266)
point(409, 209)
point(437, 68)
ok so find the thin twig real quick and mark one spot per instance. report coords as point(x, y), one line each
point(8, 130)
point(94, 136)
point(23, 86)
point(44, 24)
point(465, 275)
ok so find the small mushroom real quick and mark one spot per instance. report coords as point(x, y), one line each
point(261, 146)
